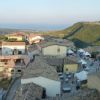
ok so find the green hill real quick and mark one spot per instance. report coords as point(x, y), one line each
point(83, 33)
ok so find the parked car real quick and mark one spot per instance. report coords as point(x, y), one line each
point(66, 89)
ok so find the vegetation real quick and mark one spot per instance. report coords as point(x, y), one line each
point(4, 83)
point(12, 40)
point(3, 37)
point(82, 34)
point(88, 33)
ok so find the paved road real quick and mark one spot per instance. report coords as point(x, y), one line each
point(11, 93)
point(91, 69)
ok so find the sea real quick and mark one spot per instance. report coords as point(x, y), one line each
point(36, 27)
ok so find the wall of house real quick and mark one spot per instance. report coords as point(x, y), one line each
point(93, 82)
point(19, 38)
point(71, 68)
point(55, 50)
point(8, 50)
point(35, 39)
point(1, 68)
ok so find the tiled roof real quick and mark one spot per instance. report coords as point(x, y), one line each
point(16, 34)
point(55, 42)
point(31, 35)
point(31, 90)
point(46, 44)
point(54, 61)
point(39, 67)
point(70, 61)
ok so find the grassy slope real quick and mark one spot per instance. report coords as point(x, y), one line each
point(86, 33)
point(81, 33)
point(89, 33)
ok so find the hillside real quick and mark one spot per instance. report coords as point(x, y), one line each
point(82, 33)
point(85, 32)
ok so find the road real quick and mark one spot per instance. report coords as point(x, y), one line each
point(91, 69)
point(12, 91)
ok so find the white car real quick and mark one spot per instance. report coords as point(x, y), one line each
point(66, 89)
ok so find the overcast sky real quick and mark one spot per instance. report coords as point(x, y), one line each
point(49, 11)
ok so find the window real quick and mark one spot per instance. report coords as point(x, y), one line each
point(58, 50)
point(15, 51)
point(66, 69)
point(19, 70)
point(19, 52)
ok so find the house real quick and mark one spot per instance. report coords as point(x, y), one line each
point(52, 87)
point(47, 78)
point(63, 64)
point(13, 64)
point(53, 49)
point(18, 36)
point(32, 51)
point(70, 65)
point(57, 63)
point(6, 65)
point(13, 48)
point(35, 38)
point(39, 67)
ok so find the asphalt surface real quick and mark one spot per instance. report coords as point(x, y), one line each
point(12, 92)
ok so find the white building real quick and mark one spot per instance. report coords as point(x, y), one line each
point(35, 38)
point(11, 48)
point(52, 87)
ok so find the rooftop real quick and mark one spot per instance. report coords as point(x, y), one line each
point(31, 90)
point(70, 61)
point(16, 34)
point(54, 61)
point(39, 67)
point(54, 41)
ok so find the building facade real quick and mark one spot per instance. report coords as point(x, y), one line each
point(12, 65)
point(70, 66)
point(34, 38)
point(13, 48)
point(19, 36)
point(54, 50)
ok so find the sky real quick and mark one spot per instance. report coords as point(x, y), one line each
point(49, 12)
